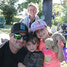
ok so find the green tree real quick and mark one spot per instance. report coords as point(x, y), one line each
point(57, 9)
point(7, 6)
point(9, 11)
point(12, 2)
point(57, 14)
point(60, 13)
point(64, 10)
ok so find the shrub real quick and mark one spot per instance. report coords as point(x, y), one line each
point(9, 11)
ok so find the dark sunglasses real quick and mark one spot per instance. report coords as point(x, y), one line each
point(19, 36)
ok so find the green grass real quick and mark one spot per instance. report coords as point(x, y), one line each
point(63, 64)
point(6, 30)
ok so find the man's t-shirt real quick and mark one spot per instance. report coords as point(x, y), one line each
point(8, 59)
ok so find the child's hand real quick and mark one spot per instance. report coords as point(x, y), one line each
point(21, 64)
point(58, 40)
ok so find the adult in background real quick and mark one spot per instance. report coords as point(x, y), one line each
point(14, 51)
point(32, 11)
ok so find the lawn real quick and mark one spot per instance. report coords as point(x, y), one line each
point(7, 29)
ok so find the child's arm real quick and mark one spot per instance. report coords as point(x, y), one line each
point(60, 51)
point(21, 64)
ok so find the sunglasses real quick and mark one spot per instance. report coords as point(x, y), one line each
point(19, 36)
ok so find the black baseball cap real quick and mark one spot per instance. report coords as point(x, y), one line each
point(19, 27)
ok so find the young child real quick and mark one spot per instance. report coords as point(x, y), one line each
point(42, 31)
point(34, 58)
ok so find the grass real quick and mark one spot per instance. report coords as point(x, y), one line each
point(63, 64)
point(7, 29)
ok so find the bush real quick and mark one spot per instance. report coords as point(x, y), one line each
point(16, 19)
point(9, 11)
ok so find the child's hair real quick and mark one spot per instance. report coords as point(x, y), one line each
point(33, 38)
point(49, 31)
point(34, 5)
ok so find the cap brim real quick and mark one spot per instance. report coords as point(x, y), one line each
point(20, 31)
point(38, 28)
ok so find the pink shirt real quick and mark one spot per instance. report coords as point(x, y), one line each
point(50, 57)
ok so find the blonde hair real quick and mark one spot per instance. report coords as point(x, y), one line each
point(49, 31)
point(34, 5)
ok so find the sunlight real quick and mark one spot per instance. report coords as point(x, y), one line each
point(57, 1)
point(20, 1)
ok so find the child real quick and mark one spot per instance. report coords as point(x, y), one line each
point(34, 58)
point(42, 31)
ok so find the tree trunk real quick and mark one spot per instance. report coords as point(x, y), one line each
point(47, 11)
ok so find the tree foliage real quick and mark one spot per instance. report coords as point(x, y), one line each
point(60, 13)
point(57, 13)
point(57, 9)
point(12, 2)
point(64, 10)
point(8, 10)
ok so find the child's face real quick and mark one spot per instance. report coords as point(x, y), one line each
point(42, 33)
point(31, 47)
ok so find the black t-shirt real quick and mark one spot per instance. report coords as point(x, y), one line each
point(8, 59)
point(34, 59)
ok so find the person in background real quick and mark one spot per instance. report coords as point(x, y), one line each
point(13, 50)
point(42, 31)
point(32, 11)
point(34, 58)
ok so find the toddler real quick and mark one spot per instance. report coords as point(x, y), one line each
point(34, 58)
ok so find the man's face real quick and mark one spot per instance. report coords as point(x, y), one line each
point(16, 41)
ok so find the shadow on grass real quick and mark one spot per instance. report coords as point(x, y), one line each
point(6, 30)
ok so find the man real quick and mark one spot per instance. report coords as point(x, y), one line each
point(14, 51)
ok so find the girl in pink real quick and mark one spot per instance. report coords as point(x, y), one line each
point(51, 59)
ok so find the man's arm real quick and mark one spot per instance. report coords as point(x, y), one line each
point(1, 56)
